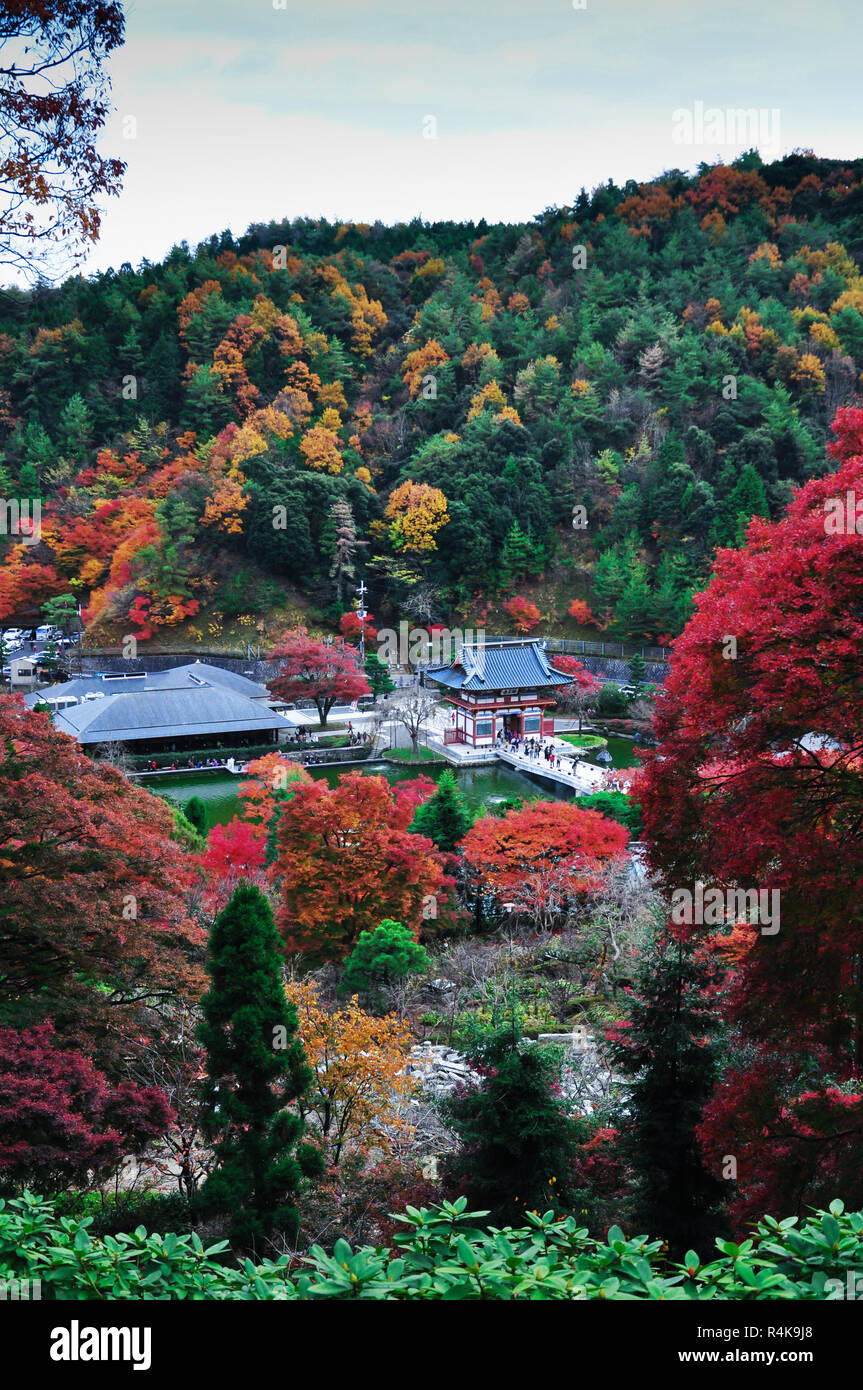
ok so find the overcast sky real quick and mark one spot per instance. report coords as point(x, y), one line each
point(250, 110)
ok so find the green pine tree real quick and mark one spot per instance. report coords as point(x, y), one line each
point(633, 616)
point(518, 556)
point(377, 675)
point(381, 958)
point(76, 427)
point(446, 818)
point(28, 481)
point(637, 669)
point(518, 1144)
point(746, 499)
point(608, 579)
point(61, 612)
point(196, 812)
point(255, 1070)
point(675, 582)
point(669, 1049)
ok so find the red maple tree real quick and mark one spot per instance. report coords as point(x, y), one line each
point(234, 851)
point(757, 783)
point(581, 694)
point(93, 922)
point(541, 858)
point(346, 861)
point(581, 611)
point(61, 1122)
point(350, 627)
point(525, 615)
point(326, 672)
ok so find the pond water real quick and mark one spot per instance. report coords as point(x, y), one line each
point(480, 786)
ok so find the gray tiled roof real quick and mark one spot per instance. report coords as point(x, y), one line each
point(145, 714)
point(510, 665)
point(188, 677)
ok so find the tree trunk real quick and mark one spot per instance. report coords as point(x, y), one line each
point(858, 1027)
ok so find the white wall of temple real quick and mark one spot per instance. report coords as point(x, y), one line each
point(480, 720)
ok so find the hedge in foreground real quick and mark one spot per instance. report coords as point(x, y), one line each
point(441, 1255)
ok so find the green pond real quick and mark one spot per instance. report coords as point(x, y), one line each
point(481, 786)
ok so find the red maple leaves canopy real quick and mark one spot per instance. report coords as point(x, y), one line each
point(60, 1119)
point(757, 782)
point(544, 854)
point(92, 911)
point(347, 861)
point(321, 671)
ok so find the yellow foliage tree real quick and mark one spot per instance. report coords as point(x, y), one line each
point(475, 354)
point(416, 512)
point(225, 507)
point(767, 251)
point(368, 319)
point(421, 361)
point(332, 394)
point(360, 1065)
point(299, 376)
point(269, 421)
point(433, 269)
point(489, 395)
point(248, 441)
point(824, 336)
point(320, 448)
point(809, 373)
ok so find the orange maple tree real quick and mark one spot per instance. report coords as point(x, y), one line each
point(361, 1081)
point(347, 860)
point(525, 615)
point(541, 858)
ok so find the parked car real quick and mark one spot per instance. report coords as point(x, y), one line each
point(47, 633)
point(13, 636)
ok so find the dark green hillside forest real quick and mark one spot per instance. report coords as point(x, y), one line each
point(252, 424)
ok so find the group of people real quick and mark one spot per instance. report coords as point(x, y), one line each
point(532, 748)
point(303, 736)
point(355, 737)
point(153, 766)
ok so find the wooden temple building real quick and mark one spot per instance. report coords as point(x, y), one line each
point(498, 686)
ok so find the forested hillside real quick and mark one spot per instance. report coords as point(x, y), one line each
point(243, 428)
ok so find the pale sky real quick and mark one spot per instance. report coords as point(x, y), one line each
point(252, 110)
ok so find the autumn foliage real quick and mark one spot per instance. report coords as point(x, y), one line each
point(321, 671)
point(346, 861)
point(542, 858)
point(62, 1123)
point(525, 615)
point(92, 912)
point(360, 1081)
point(416, 513)
point(757, 782)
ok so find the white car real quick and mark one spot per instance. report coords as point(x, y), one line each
point(13, 637)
